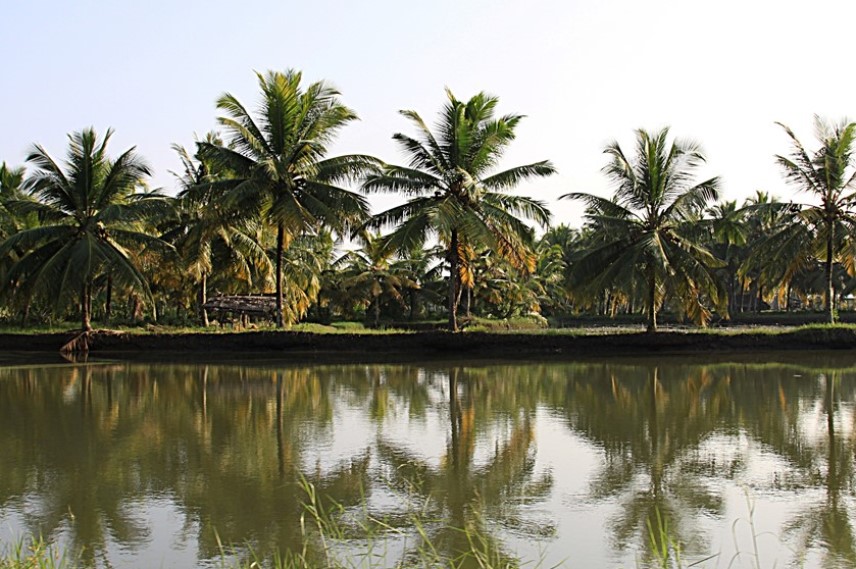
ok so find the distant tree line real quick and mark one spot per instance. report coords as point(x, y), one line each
point(261, 206)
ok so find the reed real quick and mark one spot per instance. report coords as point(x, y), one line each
point(338, 538)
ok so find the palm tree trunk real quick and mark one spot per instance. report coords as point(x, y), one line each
point(788, 298)
point(469, 302)
point(742, 294)
point(830, 301)
point(108, 302)
point(376, 306)
point(652, 300)
point(203, 298)
point(732, 300)
point(136, 309)
point(753, 304)
point(25, 315)
point(453, 281)
point(85, 307)
point(279, 248)
point(760, 298)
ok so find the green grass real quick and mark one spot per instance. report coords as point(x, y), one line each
point(335, 537)
point(524, 325)
point(37, 329)
point(35, 554)
point(775, 330)
point(148, 329)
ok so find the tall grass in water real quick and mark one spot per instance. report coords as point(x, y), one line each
point(35, 554)
point(666, 549)
point(338, 538)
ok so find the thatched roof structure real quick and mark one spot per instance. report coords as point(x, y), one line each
point(251, 305)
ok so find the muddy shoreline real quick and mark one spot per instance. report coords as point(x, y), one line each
point(302, 345)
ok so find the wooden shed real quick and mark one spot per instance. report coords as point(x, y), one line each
point(260, 305)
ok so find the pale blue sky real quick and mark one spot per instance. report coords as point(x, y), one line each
point(584, 73)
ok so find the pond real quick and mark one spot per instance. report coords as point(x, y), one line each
point(601, 463)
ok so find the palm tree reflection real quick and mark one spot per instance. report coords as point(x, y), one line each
point(90, 452)
point(225, 447)
point(826, 523)
point(652, 433)
point(467, 498)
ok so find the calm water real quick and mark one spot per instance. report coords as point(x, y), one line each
point(155, 465)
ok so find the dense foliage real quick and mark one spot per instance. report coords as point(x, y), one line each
point(262, 209)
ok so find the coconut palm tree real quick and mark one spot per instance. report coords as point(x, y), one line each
point(11, 190)
point(829, 174)
point(727, 236)
point(92, 218)
point(374, 276)
point(279, 165)
point(762, 269)
point(456, 194)
point(208, 233)
point(11, 222)
point(649, 233)
point(303, 265)
point(11, 183)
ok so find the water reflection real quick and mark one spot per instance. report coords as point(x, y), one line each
point(825, 523)
point(94, 455)
point(458, 490)
point(652, 425)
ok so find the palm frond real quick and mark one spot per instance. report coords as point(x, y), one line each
point(405, 180)
point(513, 176)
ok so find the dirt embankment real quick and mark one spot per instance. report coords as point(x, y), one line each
point(470, 344)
